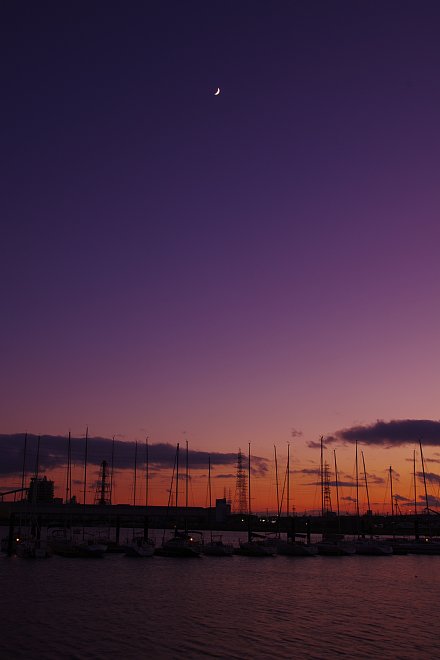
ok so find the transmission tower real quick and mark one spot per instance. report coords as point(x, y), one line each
point(240, 499)
point(102, 494)
point(326, 495)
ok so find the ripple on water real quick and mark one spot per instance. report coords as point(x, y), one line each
point(356, 607)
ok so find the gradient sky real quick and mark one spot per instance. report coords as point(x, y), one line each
point(232, 267)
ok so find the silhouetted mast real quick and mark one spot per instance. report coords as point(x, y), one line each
point(322, 476)
point(134, 483)
point(337, 486)
point(186, 475)
point(416, 522)
point(426, 489)
point(357, 491)
point(135, 472)
point(112, 470)
point(424, 477)
point(177, 475)
point(209, 494)
point(366, 482)
point(249, 495)
point(37, 469)
point(288, 479)
point(68, 469)
point(391, 491)
point(415, 482)
point(23, 472)
point(85, 479)
point(357, 483)
point(147, 482)
point(278, 493)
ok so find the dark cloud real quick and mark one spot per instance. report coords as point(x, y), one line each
point(421, 503)
point(340, 484)
point(306, 471)
point(430, 476)
point(391, 434)
point(374, 479)
point(224, 476)
point(296, 434)
point(401, 498)
point(427, 460)
point(314, 444)
point(349, 499)
point(53, 454)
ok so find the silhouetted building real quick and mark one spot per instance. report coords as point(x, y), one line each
point(41, 490)
point(222, 510)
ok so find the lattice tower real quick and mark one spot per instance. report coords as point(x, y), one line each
point(240, 499)
point(102, 494)
point(326, 494)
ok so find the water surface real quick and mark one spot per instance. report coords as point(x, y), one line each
point(239, 607)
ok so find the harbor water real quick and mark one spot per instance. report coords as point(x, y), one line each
point(236, 607)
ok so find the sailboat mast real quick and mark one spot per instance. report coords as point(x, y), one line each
point(366, 481)
point(85, 480)
point(276, 479)
point(288, 479)
point(416, 522)
point(111, 471)
point(357, 484)
point(337, 485)
point(37, 461)
point(415, 482)
point(23, 471)
point(146, 520)
point(426, 489)
point(186, 476)
point(85, 467)
point(209, 493)
point(135, 472)
point(177, 474)
point(147, 482)
point(391, 491)
point(322, 476)
point(186, 487)
point(134, 484)
point(424, 477)
point(68, 468)
point(249, 494)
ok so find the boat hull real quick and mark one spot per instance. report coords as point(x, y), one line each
point(218, 549)
point(295, 549)
point(252, 549)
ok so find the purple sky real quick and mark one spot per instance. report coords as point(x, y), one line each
point(232, 266)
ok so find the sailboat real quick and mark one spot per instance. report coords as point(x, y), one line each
point(30, 545)
point(66, 542)
point(256, 545)
point(373, 547)
point(215, 547)
point(292, 546)
point(140, 545)
point(183, 544)
point(425, 545)
point(332, 544)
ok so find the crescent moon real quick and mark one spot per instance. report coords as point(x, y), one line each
point(217, 92)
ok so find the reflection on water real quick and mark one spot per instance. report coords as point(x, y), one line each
point(239, 607)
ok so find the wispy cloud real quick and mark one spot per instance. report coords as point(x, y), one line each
point(430, 476)
point(401, 498)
